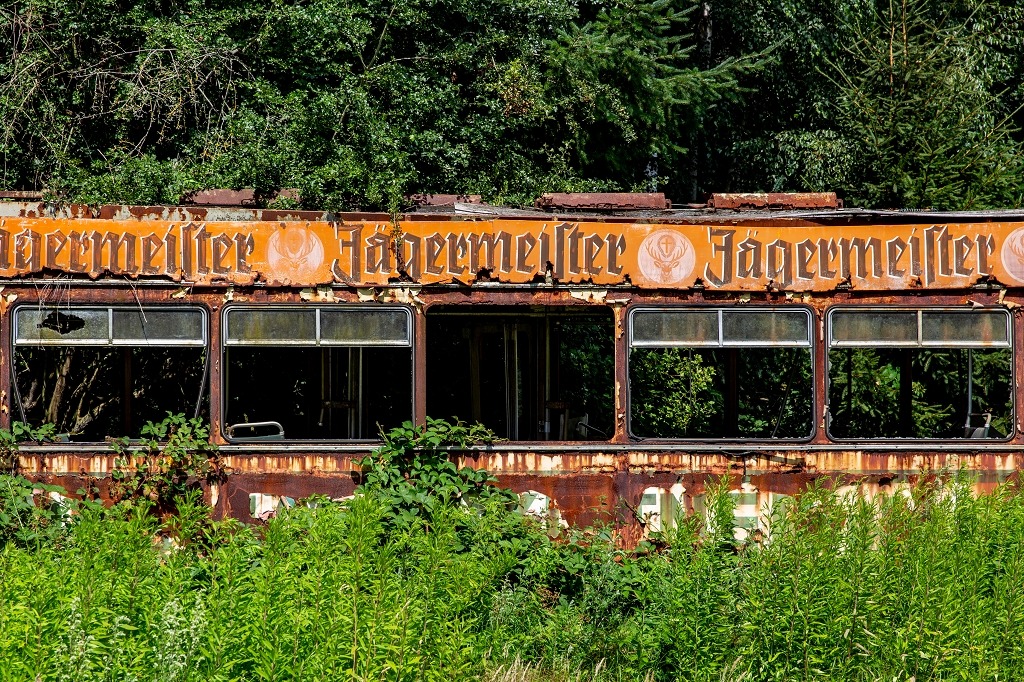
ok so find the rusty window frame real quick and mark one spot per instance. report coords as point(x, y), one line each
point(289, 442)
point(921, 342)
point(111, 339)
point(921, 345)
point(722, 342)
point(317, 340)
point(811, 347)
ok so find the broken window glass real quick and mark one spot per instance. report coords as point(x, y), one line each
point(525, 374)
point(324, 373)
point(920, 374)
point(720, 373)
point(98, 372)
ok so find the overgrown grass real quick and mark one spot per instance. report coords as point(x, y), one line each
point(924, 585)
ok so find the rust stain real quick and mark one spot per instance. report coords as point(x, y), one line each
point(775, 200)
point(604, 201)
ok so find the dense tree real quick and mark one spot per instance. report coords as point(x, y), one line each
point(910, 104)
point(359, 103)
point(355, 103)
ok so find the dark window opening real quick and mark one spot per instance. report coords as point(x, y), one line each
point(316, 373)
point(525, 375)
point(720, 373)
point(920, 374)
point(97, 373)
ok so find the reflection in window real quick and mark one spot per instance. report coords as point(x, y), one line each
point(316, 373)
point(945, 375)
point(526, 376)
point(98, 372)
point(720, 373)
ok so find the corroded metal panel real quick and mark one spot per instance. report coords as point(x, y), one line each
point(775, 200)
point(604, 200)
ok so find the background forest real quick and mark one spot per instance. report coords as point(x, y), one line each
point(359, 103)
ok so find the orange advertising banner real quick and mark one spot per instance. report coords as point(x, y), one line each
point(672, 256)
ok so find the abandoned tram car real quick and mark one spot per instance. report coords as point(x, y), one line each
point(625, 357)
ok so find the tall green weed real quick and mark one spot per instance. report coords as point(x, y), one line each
point(924, 583)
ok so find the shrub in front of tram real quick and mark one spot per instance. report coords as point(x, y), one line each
point(172, 459)
point(413, 475)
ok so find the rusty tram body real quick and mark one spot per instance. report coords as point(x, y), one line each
point(624, 356)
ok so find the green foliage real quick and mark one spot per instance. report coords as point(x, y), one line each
point(413, 476)
point(671, 391)
point(916, 96)
point(906, 104)
point(20, 432)
point(924, 581)
point(865, 384)
point(172, 457)
point(28, 517)
point(356, 104)
point(586, 358)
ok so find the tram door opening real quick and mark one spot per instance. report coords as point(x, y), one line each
point(526, 376)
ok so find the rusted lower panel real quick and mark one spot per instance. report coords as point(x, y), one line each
point(605, 201)
point(581, 488)
point(775, 200)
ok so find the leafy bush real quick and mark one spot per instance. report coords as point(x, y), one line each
point(28, 516)
point(405, 582)
point(412, 475)
point(20, 432)
point(173, 455)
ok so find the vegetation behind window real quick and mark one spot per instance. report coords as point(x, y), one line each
point(920, 373)
point(720, 373)
point(97, 372)
point(524, 375)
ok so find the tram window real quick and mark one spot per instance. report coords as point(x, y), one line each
point(525, 374)
point(901, 373)
point(328, 373)
point(720, 373)
point(97, 372)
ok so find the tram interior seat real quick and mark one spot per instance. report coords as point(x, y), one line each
point(580, 426)
point(982, 431)
point(257, 431)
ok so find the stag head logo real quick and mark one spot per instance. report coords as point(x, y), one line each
point(294, 253)
point(1012, 254)
point(666, 257)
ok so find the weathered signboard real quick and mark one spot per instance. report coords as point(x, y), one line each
point(664, 255)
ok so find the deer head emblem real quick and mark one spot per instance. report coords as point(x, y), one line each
point(1012, 254)
point(666, 256)
point(294, 252)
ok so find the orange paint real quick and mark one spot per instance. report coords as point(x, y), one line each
point(665, 256)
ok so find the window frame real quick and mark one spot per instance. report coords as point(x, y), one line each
point(920, 345)
point(318, 340)
point(288, 442)
point(111, 342)
point(206, 345)
point(811, 346)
